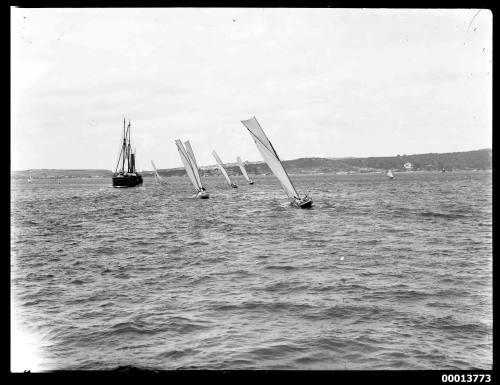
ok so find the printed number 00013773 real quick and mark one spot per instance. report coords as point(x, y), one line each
point(466, 378)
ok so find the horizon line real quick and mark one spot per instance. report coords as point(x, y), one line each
point(261, 161)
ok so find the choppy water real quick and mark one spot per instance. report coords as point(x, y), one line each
point(379, 274)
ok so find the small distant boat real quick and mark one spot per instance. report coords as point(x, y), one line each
point(443, 170)
point(223, 170)
point(158, 178)
point(126, 177)
point(389, 174)
point(30, 179)
point(273, 161)
point(243, 171)
point(189, 161)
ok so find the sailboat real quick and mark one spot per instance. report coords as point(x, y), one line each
point(189, 161)
point(126, 177)
point(223, 170)
point(243, 171)
point(30, 179)
point(158, 178)
point(273, 161)
point(389, 174)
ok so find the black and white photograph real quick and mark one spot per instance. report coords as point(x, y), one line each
point(251, 189)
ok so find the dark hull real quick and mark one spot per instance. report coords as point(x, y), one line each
point(306, 205)
point(203, 195)
point(127, 180)
point(303, 204)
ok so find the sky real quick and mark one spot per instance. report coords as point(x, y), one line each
point(322, 82)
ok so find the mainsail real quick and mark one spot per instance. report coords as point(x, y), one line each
point(221, 167)
point(270, 156)
point(157, 176)
point(191, 169)
point(389, 174)
point(190, 153)
point(242, 168)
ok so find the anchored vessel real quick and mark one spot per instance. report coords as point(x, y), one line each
point(223, 170)
point(158, 178)
point(189, 161)
point(126, 177)
point(243, 171)
point(273, 161)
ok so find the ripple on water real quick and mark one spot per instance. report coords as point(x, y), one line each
point(376, 276)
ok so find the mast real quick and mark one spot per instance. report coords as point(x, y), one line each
point(124, 146)
point(128, 148)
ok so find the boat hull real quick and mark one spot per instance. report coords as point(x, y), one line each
point(302, 203)
point(251, 182)
point(203, 195)
point(234, 185)
point(127, 180)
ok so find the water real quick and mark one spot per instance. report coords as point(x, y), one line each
point(379, 274)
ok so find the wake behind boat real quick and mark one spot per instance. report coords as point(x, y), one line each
point(273, 161)
point(223, 170)
point(189, 161)
point(243, 171)
point(126, 177)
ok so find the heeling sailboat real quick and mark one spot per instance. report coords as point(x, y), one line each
point(158, 178)
point(223, 170)
point(243, 171)
point(189, 161)
point(126, 177)
point(389, 174)
point(273, 161)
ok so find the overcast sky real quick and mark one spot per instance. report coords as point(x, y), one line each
point(321, 82)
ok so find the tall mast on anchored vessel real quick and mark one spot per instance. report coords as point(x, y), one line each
point(124, 146)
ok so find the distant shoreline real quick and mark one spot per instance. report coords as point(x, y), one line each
point(150, 175)
point(454, 161)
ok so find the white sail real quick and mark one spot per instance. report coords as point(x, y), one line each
point(242, 168)
point(389, 174)
point(270, 156)
point(221, 167)
point(157, 176)
point(190, 153)
point(191, 171)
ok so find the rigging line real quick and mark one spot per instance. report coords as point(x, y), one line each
point(279, 160)
point(119, 154)
point(190, 164)
point(296, 192)
point(196, 170)
point(124, 145)
point(119, 157)
point(193, 166)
